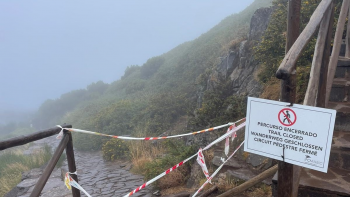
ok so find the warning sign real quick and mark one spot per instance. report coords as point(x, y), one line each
point(298, 134)
point(288, 116)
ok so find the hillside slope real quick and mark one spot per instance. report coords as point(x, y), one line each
point(198, 84)
point(153, 95)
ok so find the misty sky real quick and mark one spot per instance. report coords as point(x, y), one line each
point(51, 47)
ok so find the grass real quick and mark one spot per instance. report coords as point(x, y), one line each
point(13, 163)
point(150, 158)
point(143, 152)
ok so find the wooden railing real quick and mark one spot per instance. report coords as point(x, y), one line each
point(287, 66)
point(65, 143)
point(322, 69)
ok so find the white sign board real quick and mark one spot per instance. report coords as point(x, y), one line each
point(298, 134)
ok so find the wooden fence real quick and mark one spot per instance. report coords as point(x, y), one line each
point(65, 143)
point(322, 70)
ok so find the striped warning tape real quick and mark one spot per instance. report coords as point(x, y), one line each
point(233, 136)
point(182, 162)
point(143, 138)
point(70, 182)
point(201, 162)
point(217, 170)
point(159, 176)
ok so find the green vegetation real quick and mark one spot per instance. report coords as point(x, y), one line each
point(153, 96)
point(13, 163)
point(271, 50)
point(115, 149)
point(149, 99)
point(176, 152)
point(219, 106)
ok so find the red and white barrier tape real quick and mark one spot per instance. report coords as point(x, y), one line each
point(233, 136)
point(143, 138)
point(201, 162)
point(159, 176)
point(181, 163)
point(217, 170)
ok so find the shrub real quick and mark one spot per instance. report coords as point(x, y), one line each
point(151, 66)
point(177, 152)
point(115, 149)
point(129, 70)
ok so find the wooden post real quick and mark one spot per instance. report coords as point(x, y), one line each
point(312, 88)
point(332, 66)
point(347, 40)
point(288, 94)
point(21, 140)
point(50, 166)
point(250, 183)
point(290, 59)
point(321, 95)
point(71, 163)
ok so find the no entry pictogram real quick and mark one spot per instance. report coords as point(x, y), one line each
point(273, 131)
point(287, 117)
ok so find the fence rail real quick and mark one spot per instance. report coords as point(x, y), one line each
point(25, 139)
point(66, 143)
point(287, 66)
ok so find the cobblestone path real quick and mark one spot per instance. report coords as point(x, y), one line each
point(97, 177)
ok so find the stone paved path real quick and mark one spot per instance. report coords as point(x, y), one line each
point(97, 177)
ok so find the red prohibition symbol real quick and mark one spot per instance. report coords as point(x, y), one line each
point(287, 117)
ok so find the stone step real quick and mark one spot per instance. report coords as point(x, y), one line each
point(342, 122)
point(340, 152)
point(334, 183)
point(343, 61)
point(341, 81)
point(340, 90)
point(341, 141)
point(343, 68)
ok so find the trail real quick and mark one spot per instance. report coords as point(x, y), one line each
point(97, 177)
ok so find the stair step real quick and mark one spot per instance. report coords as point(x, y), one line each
point(342, 121)
point(343, 61)
point(340, 152)
point(341, 81)
point(334, 183)
point(340, 90)
point(343, 107)
point(341, 141)
point(343, 68)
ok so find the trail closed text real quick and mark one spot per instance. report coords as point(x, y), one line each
point(298, 134)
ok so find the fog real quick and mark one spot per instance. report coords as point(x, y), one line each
point(51, 47)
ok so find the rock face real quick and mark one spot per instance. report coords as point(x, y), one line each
point(240, 69)
point(239, 64)
point(259, 22)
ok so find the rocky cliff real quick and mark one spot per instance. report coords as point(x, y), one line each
point(239, 68)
